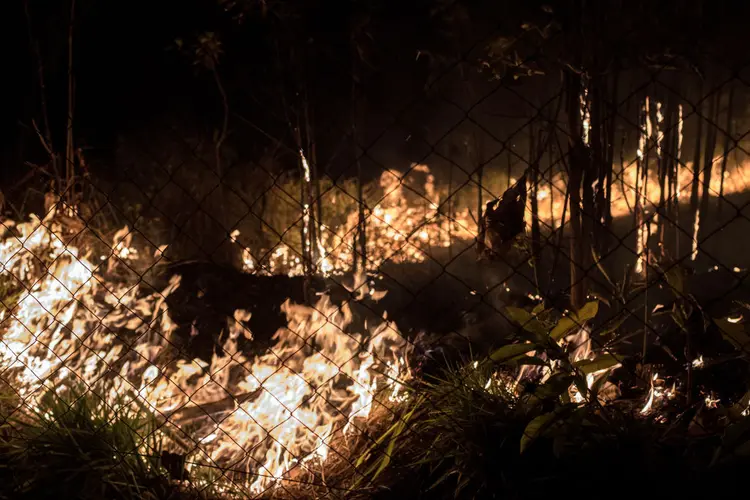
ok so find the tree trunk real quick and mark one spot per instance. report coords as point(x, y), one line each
point(696, 163)
point(708, 161)
point(611, 126)
point(536, 242)
point(362, 223)
point(727, 141)
point(69, 189)
point(590, 165)
point(665, 156)
point(578, 159)
point(678, 181)
point(310, 181)
point(551, 173)
point(305, 198)
point(600, 155)
point(450, 212)
point(45, 135)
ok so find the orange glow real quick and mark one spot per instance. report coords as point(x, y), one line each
point(83, 323)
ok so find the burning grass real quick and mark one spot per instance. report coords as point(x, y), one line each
point(331, 409)
point(68, 322)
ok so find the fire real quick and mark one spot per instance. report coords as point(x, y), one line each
point(409, 224)
point(75, 322)
point(657, 394)
point(402, 227)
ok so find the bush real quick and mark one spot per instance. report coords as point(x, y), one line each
point(75, 446)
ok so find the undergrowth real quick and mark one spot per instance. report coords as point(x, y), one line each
point(477, 432)
point(76, 446)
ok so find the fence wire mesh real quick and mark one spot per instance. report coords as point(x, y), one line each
point(533, 255)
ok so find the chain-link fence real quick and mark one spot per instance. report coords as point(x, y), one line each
point(530, 270)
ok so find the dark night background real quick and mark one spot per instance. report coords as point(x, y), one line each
point(415, 78)
point(131, 80)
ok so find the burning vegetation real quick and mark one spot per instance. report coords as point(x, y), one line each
point(545, 290)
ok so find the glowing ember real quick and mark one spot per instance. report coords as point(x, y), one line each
point(657, 394)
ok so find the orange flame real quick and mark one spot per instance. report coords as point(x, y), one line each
point(77, 323)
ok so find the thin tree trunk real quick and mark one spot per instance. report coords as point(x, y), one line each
point(304, 197)
point(561, 232)
point(708, 158)
point(359, 254)
point(69, 148)
point(315, 206)
point(623, 187)
point(641, 187)
point(611, 125)
point(599, 167)
point(678, 181)
point(551, 173)
point(536, 242)
point(696, 164)
point(664, 137)
point(578, 154)
point(229, 253)
point(46, 136)
point(589, 214)
point(480, 203)
point(450, 212)
point(362, 220)
point(727, 141)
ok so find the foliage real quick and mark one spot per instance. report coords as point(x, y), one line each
point(476, 428)
point(76, 446)
point(477, 432)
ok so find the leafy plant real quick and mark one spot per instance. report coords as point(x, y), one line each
point(77, 446)
point(477, 429)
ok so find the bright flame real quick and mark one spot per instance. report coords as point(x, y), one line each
point(585, 113)
point(402, 227)
point(657, 393)
point(266, 416)
point(696, 230)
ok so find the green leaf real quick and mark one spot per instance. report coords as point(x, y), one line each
point(594, 365)
point(518, 315)
point(556, 385)
point(733, 333)
point(531, 360)
point(538, 309)
point(394, 431)
point(526, 321)
point(534, 429)
point(613, 325)
point(562, 328)
point(568, 323)
point(581, 385)
point(389, 450)
point(588, 311)
point(511, 351)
